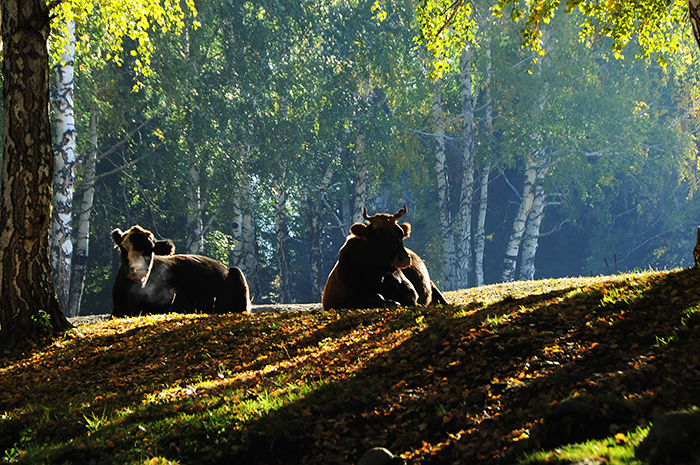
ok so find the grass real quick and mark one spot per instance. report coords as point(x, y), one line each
point(472, 382)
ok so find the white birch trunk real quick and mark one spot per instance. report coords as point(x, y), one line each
point(448, 248)
point(513, 248)
point(282, 238)
point(480, 245)
point(361, 178)
point(481, 225)
point(194, 240)
point(237, 255)
point(61, 248)
point(464, 238)
point(532, 232)
point(244, 253)
point(82, 242)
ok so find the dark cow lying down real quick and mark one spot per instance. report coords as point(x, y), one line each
point(374, 269)
point(151, 279)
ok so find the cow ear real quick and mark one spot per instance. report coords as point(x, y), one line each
point(406, 230)
point(360, 231)
point(166, 247)
point(117, 235)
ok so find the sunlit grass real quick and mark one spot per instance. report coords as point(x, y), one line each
point(615, 450)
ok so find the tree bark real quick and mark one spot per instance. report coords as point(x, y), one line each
point(464, 235)
point(480, 244)
point(694, 14)
point(360, 186)
point(513, 247)
point(245, 250)
point(194, 241)
point(61, 248)
point(448, 248)
point(28, 304)
point(80, 257)
point(532, 232)
point(282, 237)
point(315, 207)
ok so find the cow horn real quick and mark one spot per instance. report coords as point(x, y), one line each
point(401, 213)
point(364, 213)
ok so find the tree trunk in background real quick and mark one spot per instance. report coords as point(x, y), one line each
point(516, 235)
point(315, 207)
point(282, 239)
point(245, 250)
point(532, 232)
point(448, 248)
point(28, 304)
point(464, 238)
point(360, 185)
point(480, 244)
point(236, 254)
point(194, 240)
point(80, 257)
point(64, 170)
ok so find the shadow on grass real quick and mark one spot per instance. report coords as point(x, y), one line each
point(421, 382)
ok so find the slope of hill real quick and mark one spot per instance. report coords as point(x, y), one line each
point(465, 383)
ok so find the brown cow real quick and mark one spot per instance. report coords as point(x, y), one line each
point(152, 279)
point(374, 269)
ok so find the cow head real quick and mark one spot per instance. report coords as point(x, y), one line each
point(138, 247)
point(384, 238)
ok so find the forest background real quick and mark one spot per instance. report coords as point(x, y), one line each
point(257, 135)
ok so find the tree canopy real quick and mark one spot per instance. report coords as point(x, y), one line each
point(656, 26)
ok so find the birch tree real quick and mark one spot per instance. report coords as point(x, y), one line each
point(81, 253)
point(513, 248)
point(532, 232)
point(62, 102)
point(245, 249)
point(464, 234)
point(248, 240)
point(448, 247)
point(361, 179)
point(194, 238)
point(480, 233)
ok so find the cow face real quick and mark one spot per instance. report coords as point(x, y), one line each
point(138, 247)
point(384, 238)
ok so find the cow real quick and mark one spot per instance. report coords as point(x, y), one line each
point(153, 279)
point(375, 270)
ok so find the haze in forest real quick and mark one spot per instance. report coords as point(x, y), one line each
point(259, 133)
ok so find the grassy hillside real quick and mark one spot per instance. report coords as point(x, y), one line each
point(467, 383)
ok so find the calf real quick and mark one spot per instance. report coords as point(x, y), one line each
point(374, 269)
point(152, 279)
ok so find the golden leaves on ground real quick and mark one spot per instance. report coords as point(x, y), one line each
point(464, 383)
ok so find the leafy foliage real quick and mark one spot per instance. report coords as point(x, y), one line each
point(467, 382)
point(657, 26)
point(113, 21)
